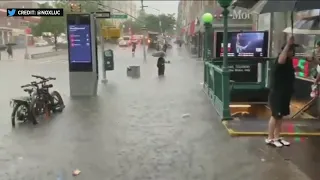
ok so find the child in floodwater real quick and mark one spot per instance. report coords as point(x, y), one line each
point(161, 65)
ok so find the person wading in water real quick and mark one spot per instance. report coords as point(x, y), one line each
point(161, 65)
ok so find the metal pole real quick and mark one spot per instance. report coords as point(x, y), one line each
point(225, 39)
point(160, 24)
point(144, 45)
point(26, 53)
point(104, 73)
point(271, 50)
point(143, 38)
point(225, 70)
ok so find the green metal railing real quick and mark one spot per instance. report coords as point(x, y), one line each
point(213, 81)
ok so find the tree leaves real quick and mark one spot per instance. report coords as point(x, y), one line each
point(57, 25)
point(151, 22)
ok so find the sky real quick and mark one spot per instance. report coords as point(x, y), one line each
point(163, 6)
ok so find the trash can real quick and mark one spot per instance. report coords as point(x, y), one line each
point(108, 60)
point(133, 71)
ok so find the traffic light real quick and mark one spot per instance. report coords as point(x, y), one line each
point(74, 7)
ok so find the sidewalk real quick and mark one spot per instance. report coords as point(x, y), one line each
point(135, 129)
point(18, 54)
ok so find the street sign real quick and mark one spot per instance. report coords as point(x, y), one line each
point(102, 15)
point(119, 16)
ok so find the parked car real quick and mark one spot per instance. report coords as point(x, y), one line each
point(123, 43)
point(127, 39)
point(41, 43)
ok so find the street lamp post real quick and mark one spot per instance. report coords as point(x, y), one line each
point(144, 28)
point(225, 71)
point(207, 19)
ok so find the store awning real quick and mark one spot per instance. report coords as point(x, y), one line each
point(247, 4)
point(192, 28)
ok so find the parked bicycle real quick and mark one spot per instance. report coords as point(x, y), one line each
point(21, 105)
point(44, 102)
point(38, 102)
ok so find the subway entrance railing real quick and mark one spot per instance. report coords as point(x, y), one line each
point(249, 78)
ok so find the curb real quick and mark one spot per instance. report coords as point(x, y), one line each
point(46, 54)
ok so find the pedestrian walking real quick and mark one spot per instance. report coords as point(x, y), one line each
point(10, 53)
point(134, 46)
point(165, 47)
point(281, 90)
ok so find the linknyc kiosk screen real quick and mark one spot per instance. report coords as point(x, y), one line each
point(79, 42)
point(244, 44)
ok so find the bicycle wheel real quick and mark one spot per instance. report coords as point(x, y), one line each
point(19, 113)
point(57, 102)
point(36, 109)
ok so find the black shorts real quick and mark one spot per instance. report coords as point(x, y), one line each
point(279, 102)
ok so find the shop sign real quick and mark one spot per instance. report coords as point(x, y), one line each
point(239, 14)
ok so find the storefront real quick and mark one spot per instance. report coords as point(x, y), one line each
point(5, 35)
point(305, 71)
point(239, 20)
point(12, 29)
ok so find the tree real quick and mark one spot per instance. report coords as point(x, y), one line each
point(57, 25)
point(168, 22)
point(152, 23)
point(54, 25)
point(135, 26)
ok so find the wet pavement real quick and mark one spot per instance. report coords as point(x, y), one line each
point(136, 129)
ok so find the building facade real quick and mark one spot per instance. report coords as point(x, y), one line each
point(13, 28)
point(192, 30)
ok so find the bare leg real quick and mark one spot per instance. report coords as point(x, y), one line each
point(277, 129)
point(271, 127)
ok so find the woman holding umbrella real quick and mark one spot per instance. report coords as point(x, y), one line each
point(9, 50)
point(161, 64)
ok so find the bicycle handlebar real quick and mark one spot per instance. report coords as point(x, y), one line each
point(34, 84)
point(43, 78)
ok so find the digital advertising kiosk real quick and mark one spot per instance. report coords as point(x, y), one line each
point(82, 51)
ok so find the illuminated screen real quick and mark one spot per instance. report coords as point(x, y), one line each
point(79, 44)
point(244, 44)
